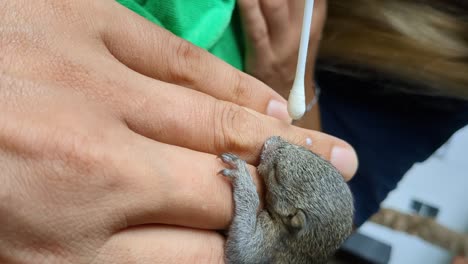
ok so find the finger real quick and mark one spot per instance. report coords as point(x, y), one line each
point(163, 244)
point(254, 26)
point(156, 53)
point(276, 13)
point(177, 186)
point(338, 152)
point(318, 20)
point(460, 260)
point(186, 118)
point(296, 9)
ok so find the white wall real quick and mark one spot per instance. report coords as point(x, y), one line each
point(442, 181)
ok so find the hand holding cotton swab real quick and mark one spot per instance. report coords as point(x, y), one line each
point(296, 101)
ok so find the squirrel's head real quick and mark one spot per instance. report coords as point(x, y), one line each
point(307, 197)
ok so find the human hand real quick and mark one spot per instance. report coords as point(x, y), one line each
point(272, 32)
point(460, 260)
point(109, 131)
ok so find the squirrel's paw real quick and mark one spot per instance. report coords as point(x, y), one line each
point(234, 162)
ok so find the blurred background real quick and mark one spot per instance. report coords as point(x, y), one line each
point(437, 188)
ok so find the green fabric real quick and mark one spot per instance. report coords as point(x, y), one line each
point(210, 24)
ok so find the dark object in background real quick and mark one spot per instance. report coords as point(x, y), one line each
point(423, 209)
point(361, 249)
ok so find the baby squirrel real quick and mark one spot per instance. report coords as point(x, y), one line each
point(308, 207)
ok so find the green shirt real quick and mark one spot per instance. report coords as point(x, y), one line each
point(209, 24)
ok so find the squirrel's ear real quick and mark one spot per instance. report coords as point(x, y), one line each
point(296, 222)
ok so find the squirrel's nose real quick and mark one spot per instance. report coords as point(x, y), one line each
point(272, 143)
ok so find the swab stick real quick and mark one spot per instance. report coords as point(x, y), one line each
point(296, 101)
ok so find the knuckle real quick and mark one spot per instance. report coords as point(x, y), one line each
point(93, 158)
point(81, 150)
point(274, 6)
point(234, 129)
point(259, 36)
point(242, 89)
point(73, 160)
point(67, 72)
point(21, 53)
point(184, 71)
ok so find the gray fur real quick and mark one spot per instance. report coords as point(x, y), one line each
point(308, 208)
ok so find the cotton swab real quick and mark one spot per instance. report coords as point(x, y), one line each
point(296, 101)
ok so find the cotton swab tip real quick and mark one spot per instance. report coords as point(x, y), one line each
point(296, 102)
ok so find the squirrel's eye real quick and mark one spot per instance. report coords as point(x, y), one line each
point(276, 174)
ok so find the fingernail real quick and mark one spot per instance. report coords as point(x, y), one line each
point(278, 110)
point(345, 160)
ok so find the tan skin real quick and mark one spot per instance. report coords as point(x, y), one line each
point(272, 32)
point(460, 260)
point(109, 131)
